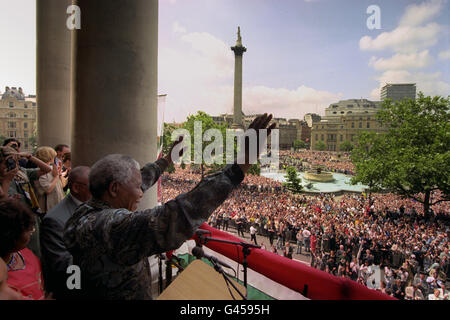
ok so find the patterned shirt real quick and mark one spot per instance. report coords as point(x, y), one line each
point(111, 246)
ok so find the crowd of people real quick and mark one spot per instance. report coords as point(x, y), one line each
point(36, 190)
point(307, 159)
point(344, 235)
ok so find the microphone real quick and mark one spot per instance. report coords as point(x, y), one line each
point(199, 253)
point(201, 232)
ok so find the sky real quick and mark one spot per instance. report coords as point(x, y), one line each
point(302, 55)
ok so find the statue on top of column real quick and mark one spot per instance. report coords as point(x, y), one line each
point(239, 40)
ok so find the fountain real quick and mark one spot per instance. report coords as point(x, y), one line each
point(316, 174)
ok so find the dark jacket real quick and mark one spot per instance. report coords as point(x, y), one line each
point(55, 257)
point(112, 246)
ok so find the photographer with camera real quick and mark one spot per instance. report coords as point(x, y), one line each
point(16, 182)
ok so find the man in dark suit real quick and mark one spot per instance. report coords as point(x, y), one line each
point(55, 256)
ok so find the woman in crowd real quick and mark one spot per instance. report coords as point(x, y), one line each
point(16, 182)
point(24, 269)
point(50, 186)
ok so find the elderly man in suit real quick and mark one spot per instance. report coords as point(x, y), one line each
point(56, 258)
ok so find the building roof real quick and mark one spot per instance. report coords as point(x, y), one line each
point(14, 93)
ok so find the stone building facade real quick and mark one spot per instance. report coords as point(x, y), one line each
point(343, 121)
point(18, 116)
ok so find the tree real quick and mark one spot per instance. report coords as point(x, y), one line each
point(346, 146)
point(413, 157)
point(299, 144)
point(369, 147)
point(207, 123)
point(293, 182)
point(321, 146)
point(2, 139)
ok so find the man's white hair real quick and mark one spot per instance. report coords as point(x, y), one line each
point(112, 168)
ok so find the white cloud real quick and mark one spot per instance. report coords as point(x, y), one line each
point(428, 83)
point(285, 102)
point(402, 61)
point(418, 14)
point(415, 30)
point(444, 55)
point(405, 39)
point(200, 77)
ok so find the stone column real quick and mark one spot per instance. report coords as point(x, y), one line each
point(239, 50)
point(53, 74)
point(115, 102)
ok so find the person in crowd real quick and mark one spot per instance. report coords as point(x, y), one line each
point(240, 225)
point(66, 167)
point(16, 182)
point(306, 239)
point(24, 269)
point(61, 150)
point(6, 293)
point(253, 234)
point(15, 144)
point(287, 252)
point(226, 220)
point(49, 187)
point(436, 295)
point(56, 259)
point(110, 239)
point(299, 237)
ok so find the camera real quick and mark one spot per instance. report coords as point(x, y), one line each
point(11, 164)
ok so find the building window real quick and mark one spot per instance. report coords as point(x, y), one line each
point(12, 134)
point(25, 115)
point(317, 136)
point(11, 104)
point(26, 144)
point(25, 134)
point(11, 125)
point(342, 137)
point(368, 125)
point(321, 137)
point(25, 106)
point(360, 125)
point(12, 115)
point(353, 124)
point(25, 125)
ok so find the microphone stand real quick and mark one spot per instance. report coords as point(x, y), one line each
point(160, 279)
point(219, 269)
point(245, 250)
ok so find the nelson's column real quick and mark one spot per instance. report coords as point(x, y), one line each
point(239, 50)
